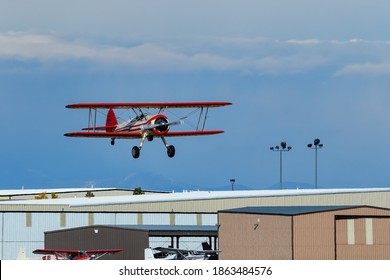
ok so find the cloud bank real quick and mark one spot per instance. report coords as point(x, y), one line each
point(259, 56)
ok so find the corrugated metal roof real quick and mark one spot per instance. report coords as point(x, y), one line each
point(286, 210)
point(157, 230)
point(186, 196)
point(176, 230)
point(171, 227)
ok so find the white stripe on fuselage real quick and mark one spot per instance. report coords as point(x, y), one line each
point(134, 124)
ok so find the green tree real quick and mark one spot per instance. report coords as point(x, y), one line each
point(89, 194)
point(42, 195)
point(138, 191)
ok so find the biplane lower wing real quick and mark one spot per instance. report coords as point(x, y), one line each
point(137, 135)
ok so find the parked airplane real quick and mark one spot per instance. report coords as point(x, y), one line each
point(143, 125)
point(50, 254)
point(23, 256)
point(164, 253)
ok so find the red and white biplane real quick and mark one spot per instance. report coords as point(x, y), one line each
point(52, 254)
point(143, 125)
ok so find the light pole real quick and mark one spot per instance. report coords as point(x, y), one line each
point(283, 148)
point(316, 145)
point(232, 181)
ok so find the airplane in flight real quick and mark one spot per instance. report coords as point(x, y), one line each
point(52, 254)
point(143, 126)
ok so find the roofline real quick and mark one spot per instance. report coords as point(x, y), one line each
point(186, 196)
point(175, 229)
point(24, 192)
point(330, 208)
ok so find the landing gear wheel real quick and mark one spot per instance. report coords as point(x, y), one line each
point(113, 142)
point(135, 152)
point(171, 151)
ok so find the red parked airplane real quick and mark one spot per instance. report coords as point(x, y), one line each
point(143, 125)
point(52, 254)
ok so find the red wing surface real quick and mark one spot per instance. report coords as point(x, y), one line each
point(117, 135)
point(157, 105)
point(108, 251)
point(193, 133)
point(52, 251)
point(137, 135)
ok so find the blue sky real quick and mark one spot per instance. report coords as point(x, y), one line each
point(294, 71)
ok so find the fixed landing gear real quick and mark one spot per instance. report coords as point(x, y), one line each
point(112, 142)
point(171, 151)
point(170, 148)
point(136, 150)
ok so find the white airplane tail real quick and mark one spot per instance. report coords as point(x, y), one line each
point(22, 254)
point(149, 255)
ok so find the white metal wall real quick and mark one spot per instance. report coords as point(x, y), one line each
point(156, 219)
point(209, 219)
point(115, 218)
point(185, 219)
point(26, 230)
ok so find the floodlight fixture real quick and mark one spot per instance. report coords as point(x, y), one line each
point(315, 146)
point(283, 148)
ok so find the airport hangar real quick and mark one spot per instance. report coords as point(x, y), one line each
point(24, 220)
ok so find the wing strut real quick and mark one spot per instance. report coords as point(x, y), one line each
point(205, 117)
point(90, 119)
point(202, 119)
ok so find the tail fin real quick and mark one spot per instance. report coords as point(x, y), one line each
point(149, 254)
point(111, 121)
point(206, 246)
point(21, 254)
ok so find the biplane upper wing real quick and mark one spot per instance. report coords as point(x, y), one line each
point(157, 105)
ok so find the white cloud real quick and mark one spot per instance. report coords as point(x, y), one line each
point(365, 69)
point(305, 42)
point(42, 47)
point(245, 55)
point(289, 64)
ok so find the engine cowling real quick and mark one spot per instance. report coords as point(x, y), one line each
point(162, 123)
